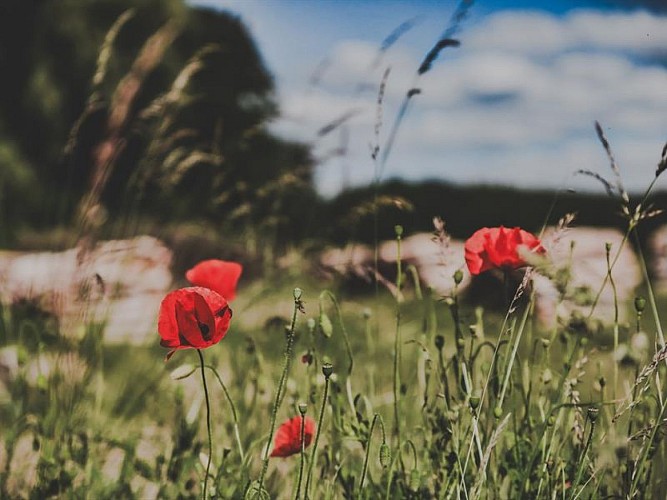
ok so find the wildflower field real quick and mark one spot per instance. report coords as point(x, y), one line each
point(159, 349)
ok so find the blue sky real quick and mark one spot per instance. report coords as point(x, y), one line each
point(514, 104)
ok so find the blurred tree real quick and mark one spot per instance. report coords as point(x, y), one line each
point(163, 109)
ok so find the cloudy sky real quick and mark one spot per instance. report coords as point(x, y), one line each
point(515, 104)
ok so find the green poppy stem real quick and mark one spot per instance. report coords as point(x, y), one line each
point(376, 418)
point(327, 370)
point(208, 423)
point(302, 411)
point(298, 306)
point(234, 415)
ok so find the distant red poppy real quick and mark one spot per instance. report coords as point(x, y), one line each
point(193, 317)
point(288, 436)
point(498, 247)
point(219, 275)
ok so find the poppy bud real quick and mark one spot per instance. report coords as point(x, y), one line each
point(303, 407)
point(415, 480)
point(385, 455)
point(497, 412)
point(439, 342)
point(458, 276)
point(398, 229)
point(474, 402)
point(325, 325)
point(551, 421)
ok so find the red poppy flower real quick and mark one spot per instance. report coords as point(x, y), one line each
point(219, 275)
point(498, 247)
point(193, 317)
point(288, 436)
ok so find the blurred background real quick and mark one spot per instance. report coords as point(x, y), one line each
point(258, 120)
point(138, 137)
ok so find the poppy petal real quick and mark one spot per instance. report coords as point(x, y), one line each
point(218, 275)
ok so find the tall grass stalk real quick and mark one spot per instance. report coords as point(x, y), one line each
point(397, 340)
point(237, 436)
point(302, 448)
point(383, 447)
point(327, 371)
point(287, 361)
point(616, 326)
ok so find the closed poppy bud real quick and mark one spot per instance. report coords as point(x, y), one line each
point(288, 436)
point(326, 327)
point(458, 276)
point(385, 455)
point(193, 317)
point(499, 247)
point(219, 275)
point(640, 304)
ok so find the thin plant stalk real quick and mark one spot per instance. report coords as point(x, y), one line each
point(298, 305)
point(339, 315)
point(616, 328)
point(302, 451)
point(237, 436)
point(592, 417)
point(517, 341)
point(649, 288)
point(208, 423)
point(327, 370)
point(397, 339)
point(376, 418)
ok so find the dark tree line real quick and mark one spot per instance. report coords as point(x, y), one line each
point(126, 108)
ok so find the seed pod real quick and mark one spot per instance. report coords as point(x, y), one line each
point(640, 304)
point(593, 412)
point(327, 369)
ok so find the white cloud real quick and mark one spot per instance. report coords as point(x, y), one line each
point(514, 104)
